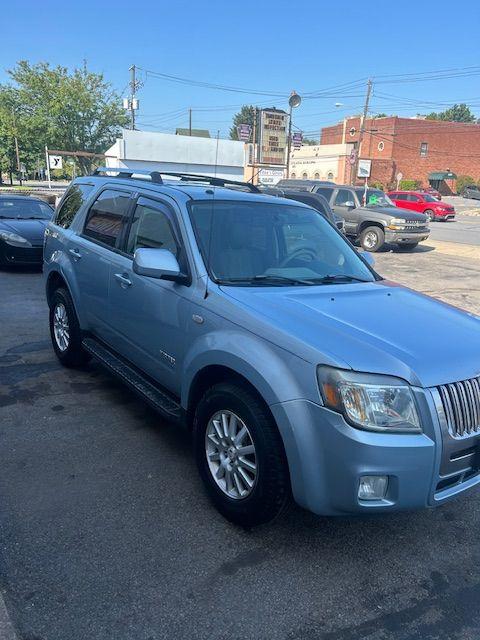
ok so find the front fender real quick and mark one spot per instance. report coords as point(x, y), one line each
point(58, 262)
point(276, 374)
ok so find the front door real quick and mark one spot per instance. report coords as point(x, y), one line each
point(344, 205)
point(148, 316)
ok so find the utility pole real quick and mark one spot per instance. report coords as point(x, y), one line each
point(361, 132)
point(133, 88)
point(254, 142)
point(189, 122)
point(17, 152)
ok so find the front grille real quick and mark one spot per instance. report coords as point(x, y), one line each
point(461, 404)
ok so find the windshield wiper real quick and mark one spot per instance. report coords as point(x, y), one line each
point(267, 279)
point(339, 277)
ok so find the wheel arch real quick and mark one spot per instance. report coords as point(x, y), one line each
point(370, 223)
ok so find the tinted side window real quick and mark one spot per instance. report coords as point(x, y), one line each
point(324, 191)
point(107, 217)
point(75, 197)
point(412, 198)
point(151, 229)
point(399, 196)
point(343, 196)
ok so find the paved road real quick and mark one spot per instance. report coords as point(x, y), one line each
point(105, 532)
point(463, 230)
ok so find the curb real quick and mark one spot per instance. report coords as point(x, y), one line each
point(7, 632)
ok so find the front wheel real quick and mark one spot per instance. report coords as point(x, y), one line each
point(430, 214)
point(240, 455)
point(372, 239)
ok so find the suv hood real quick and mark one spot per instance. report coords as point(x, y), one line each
point(32, 230)
point(397, 212)
point(375, 327)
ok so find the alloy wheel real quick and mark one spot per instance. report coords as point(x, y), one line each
point(61, 329)
point(231, 455)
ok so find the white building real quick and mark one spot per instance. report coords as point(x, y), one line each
point(321, 162)
point(168, 152)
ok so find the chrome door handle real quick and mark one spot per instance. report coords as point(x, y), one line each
point(75, 253)
point(123, 280)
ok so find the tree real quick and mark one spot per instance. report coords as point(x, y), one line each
point(246, 115)
point(71, 111)
point(457, 113)
point(309, 141)
point(381, 115)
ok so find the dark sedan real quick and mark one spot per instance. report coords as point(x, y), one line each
point(22, 226)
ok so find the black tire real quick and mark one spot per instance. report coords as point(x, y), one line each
point(73, 354)
point(271, 492)
point(365, 239)
point(429, 212)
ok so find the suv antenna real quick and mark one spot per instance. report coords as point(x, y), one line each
point(216, 152)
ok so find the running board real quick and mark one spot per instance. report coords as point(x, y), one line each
point(160, 400)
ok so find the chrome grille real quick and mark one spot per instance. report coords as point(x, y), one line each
point(461, 404)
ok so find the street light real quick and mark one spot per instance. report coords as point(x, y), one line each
point(293, 102)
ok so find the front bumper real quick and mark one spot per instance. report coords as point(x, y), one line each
point(20, 255)
point(327, 456)
point(406, 237)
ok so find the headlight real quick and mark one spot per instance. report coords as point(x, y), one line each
point(397, 223)
point(14, 239)
point(367, 401)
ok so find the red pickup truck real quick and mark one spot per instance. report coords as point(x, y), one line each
point(423, 203)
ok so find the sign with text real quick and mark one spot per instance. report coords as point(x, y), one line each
point(273, 136)
point(270, 176)
point(297, 139)
point(243, 132)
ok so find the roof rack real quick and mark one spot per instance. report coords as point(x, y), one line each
point(124, 172)
point(156, 176)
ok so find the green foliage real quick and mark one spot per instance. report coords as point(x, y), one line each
point(409, 185)
point(376, 184)
point(74, 111)
point(457, 113)
point(309, 142)
point(462, 182)
point(381, 115)
point(246, 115)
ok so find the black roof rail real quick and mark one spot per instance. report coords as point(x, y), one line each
point(156, 176)
point(124, 172)
point(213, 180)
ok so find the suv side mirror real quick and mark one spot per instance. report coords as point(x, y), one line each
point(156, 263)
point(350, 204)
point(368, 257)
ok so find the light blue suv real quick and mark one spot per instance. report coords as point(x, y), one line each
point(253, 321)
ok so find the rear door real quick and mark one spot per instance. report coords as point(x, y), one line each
point(149, 316)
point(91, 252)
point(413, 202)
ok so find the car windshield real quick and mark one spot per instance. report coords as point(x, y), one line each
point(428, 198)
point(374, 198)
point(255, 244)
point(25, 209)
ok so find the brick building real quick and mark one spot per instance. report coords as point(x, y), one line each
point(419, 149)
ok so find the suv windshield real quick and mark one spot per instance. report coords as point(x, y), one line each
point(257, 244)
point(24, 210)
point(374, 198)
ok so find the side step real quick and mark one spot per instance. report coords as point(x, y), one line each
point(160, 400)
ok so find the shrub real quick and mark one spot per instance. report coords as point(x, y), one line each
point(462, 182)
point(377, 185)
point(409, 185)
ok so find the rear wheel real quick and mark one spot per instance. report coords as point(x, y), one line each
point(372, 239)
point(240, 455)
point(65, 330)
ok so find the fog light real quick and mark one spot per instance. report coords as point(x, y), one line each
point(372, 487)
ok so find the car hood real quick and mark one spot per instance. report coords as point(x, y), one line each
point(398, 212)
point(378, 327)
point(32, 230)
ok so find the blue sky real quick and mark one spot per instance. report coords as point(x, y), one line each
point(269, 46)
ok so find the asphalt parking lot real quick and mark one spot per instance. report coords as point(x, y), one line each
point(105, 532)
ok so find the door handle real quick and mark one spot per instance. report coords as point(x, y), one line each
point(123, 280)
point(75, 253)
